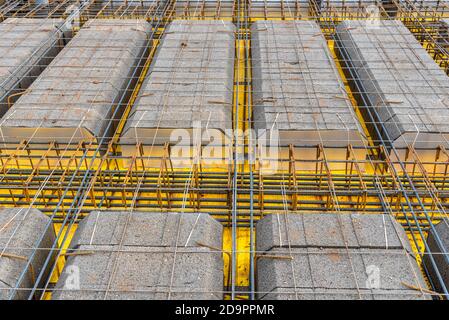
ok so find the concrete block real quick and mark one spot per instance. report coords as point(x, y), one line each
point(148, 263)
point(291, 60)
point(26, 47)
point(397, 267)
point(283, 272)
point(144, 273)
point(191, 79)
point(379, 231)
point(331, 231)
point(271, 232)
point(148, 229)
point(76, 95)
point(400, 80)
point(440, 255)
point(335, 256)
point(348, 4)
point(20, 232)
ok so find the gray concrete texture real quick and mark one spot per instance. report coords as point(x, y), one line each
point(190, 79)
point(76, 95)
point(332, 4)
point(20, 232)
point(440, 254)
point(156, 256)
point(406, 87)
point(129, 3)
point(334, 256)
point(296, 84)
point(26, 48)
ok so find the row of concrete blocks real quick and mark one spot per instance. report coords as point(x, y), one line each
point(336, 256)
point(400, 81)
point(145, 255)
point(296, 83)
point(26, 48)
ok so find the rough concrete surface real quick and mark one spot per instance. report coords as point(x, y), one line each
point(26, 47)
point(191, 79)
point(335, 256)
point(78, 92)
point(144, 260)
point(148, 229)
point(400, 80)
point(330, 231)
point(297, 87)
point(20, 232)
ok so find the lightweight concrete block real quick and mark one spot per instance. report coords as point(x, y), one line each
point(148, 229)
point(190, 80)
point(26, 47)
point(336, 268)
point(144, 261)
point(76, 95)
point(284, 272)
point(379, 231)
point(289, 294)
point(297, 88)
point(144, 273)
point(20, 232)
point(397, 268)
point(330, 230)
point(439, 250)
point(400, 80)
point(335, 256)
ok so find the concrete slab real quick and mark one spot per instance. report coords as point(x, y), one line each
point(297, 87)
point(20, 232)
point(341, 294)
point(190, 81)
point(439, 254)
point(344, 3)
point(401, 81)
point(330, 231)
point(144, 273)
point(148, 264)
point(26, 47)
point(75, 97)
point(371, 261)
